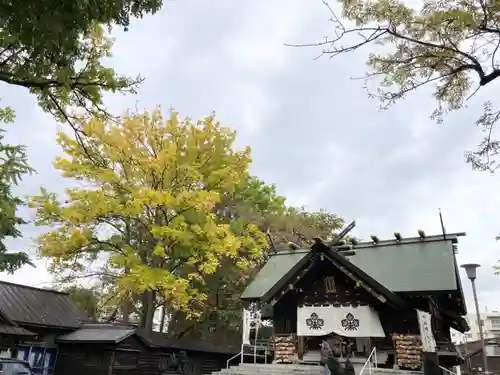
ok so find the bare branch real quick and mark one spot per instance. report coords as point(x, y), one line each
point(450, 46)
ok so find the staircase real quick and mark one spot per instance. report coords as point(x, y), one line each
point(297, 369)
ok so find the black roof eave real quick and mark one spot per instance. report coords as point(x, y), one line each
point(116, 341)
point(461, 324)
point(16, 331)
point(63, 341)
point(463, 309)
point(48, 326)
point(146, 339)
point(149, 342)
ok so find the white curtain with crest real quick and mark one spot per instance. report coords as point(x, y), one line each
point(347, 321)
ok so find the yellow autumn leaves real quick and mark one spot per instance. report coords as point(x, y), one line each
point(144, 209)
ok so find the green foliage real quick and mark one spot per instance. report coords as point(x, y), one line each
point(54, 48)
point(13, 165)
point(300, 226)
point(55, 27)
point(87, 299)
point(449, 46)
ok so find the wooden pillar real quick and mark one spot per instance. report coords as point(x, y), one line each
point(431, 364)
point(371, 344)
point(300, 347)
point(111, 361)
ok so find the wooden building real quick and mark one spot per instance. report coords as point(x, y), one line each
point(473, 357)
point(102, 349)
point(47, 329)
point(363, 298)
point(31, 319)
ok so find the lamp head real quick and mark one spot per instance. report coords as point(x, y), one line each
point(470, 270)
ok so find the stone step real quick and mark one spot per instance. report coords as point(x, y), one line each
point(279, 366)
point(297, 369)
point(251, 368)
point(319, 372)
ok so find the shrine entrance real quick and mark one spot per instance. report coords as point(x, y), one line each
point(342, 347)
point(347, 329)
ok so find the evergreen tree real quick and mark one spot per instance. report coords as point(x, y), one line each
point(13, 165)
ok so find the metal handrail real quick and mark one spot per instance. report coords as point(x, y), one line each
point(373, 355)
point(233, 357)
point(448, 371)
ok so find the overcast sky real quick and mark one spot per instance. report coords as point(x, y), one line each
point(313, 131)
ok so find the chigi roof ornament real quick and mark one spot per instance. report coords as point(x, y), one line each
point(421, 234)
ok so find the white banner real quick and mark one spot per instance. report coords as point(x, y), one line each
point(251, 319)
point(426, 335)
point(361, 321)
point(246, 327)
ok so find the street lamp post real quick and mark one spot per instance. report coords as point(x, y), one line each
point(470, 270)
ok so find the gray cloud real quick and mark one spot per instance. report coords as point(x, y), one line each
point(312, 129)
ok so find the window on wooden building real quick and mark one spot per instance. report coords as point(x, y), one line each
point(329, 283)
point(125, 359)
point(41, 360)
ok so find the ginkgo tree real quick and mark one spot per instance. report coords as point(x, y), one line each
point(256, 203)
point(144, 210)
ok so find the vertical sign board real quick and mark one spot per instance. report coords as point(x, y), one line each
point(426, 335)
point(430, 357)
point(251, 319)
point(246, 327)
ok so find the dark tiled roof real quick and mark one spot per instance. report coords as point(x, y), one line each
point(161, 340)
point(98, 333)
point(109, 333)
point(26, 305)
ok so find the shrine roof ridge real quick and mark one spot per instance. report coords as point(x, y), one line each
point(409, 265)
point(453, 237)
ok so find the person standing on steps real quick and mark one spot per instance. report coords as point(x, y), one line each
point(333, 364)
point(349, 368)
point(326, 353)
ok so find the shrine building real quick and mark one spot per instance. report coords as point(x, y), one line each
point(363, 296)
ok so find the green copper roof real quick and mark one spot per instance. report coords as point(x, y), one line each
point(410, 266)
point(276, 267)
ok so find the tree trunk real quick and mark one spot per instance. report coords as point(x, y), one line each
point(163, 316)
point(125, 307)
point(149, 310)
